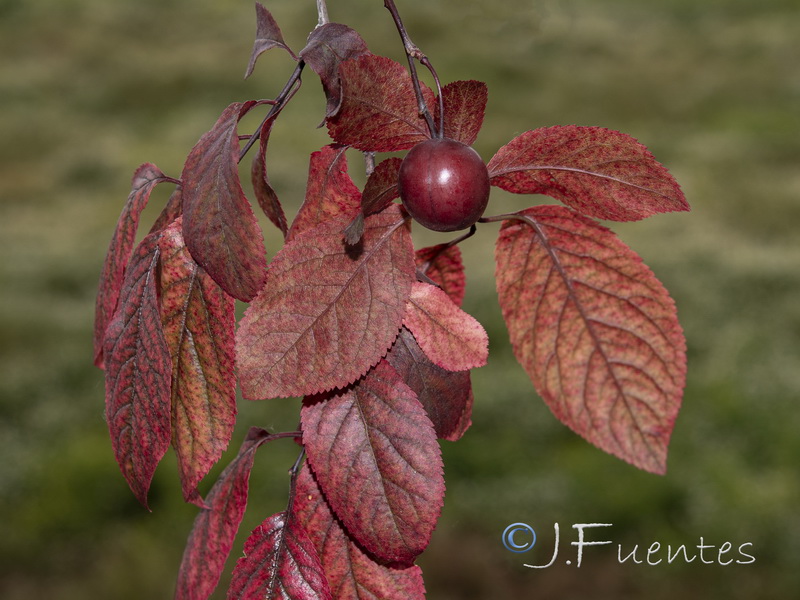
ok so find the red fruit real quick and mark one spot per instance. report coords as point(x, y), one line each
point(444, 184)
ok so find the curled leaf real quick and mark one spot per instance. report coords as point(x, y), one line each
point(328, 46)
point(375, 455)
point(265, 195)
point(146, 177)
point(268, 36)
point(327, 312)
point(219, 226)
point(595, 330)
point(600, 173)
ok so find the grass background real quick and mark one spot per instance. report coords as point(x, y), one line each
point(89, 89)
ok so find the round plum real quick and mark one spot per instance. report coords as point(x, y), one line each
point(444, 184)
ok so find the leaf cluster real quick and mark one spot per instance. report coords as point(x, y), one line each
point(368, 330)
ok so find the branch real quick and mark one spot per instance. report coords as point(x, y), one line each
point(413, 52)
point(288, 91)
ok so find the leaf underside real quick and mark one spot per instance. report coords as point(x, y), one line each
point(464, 107)
point(595, 330)
point(198, 320)
point(138, 373)
point(445, 395)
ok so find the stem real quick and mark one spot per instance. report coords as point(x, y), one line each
point(413, 52)
point(444, 247)
point(288, 91)
point(322, 11)
point(369, 162)
point(293, 483)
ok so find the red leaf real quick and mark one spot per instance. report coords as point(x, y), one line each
point(219, 226)
point(330, 191)
point(379, 111)
point(138, 369)
point(279, 562)
point(379, 191)
point(375, 455)
point(451, 338)
point(445, 395)
point(601, 173)
point(145, 179)
point(464, 106)
point(198, 320)
point(327, 313)
point(328, 46)
point(268, 36)
point(215, 528)
point(351, 574)
point(381, 186)
point(265, 195)
point(595, 330)
point(444, 267)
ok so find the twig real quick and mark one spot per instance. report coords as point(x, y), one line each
point(322, 11)
point(289, 90)
point(413, 52)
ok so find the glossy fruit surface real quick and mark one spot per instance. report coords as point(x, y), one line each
point(444, 184)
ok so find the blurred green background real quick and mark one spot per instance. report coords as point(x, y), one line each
point(89, 89)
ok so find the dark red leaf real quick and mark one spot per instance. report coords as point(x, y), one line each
point(595, 330)
point(451, 338)
point(198, 319)
point(268, 36)
point(379, 191)
point(280, 562)
point(351, 574)
point(327, 47)
point(445, 395)
point(444, 267)
point(219, 226)
point(379, 111)
point(381, 186)
point(601, 173)
point(329, 193)
point(326, 314)
point(464, 106)
point(145, 179)
point(375, 455)
point(138, 370)
point(215, 527)
point(265, 195)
